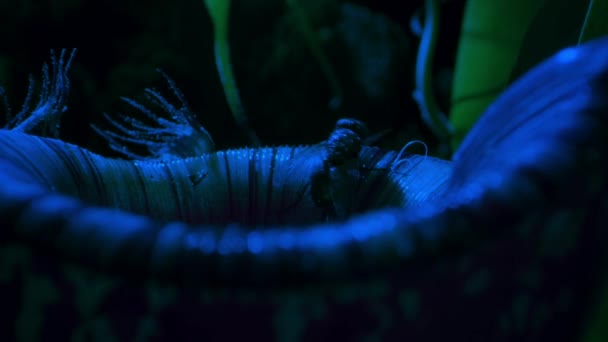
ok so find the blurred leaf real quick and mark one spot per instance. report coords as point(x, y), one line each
point(490, 41)
point(314, 44)
point(501, 40)
point(424, 93)
point(598, 329)
point(219, 11)
point(595, 24)
point(556, 26)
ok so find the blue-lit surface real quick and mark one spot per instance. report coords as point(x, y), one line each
point(490, 166)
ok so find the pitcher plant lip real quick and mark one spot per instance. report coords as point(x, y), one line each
point(527, 153)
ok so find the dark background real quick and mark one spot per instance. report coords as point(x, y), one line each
point(284, 92)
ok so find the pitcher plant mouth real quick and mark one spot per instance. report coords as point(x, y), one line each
point(285, 216)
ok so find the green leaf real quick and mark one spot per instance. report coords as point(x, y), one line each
point(491, 36)
point(219, 10)
point(502, 39)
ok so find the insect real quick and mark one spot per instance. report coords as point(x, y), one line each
point(356, 178)
point(334, 185)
